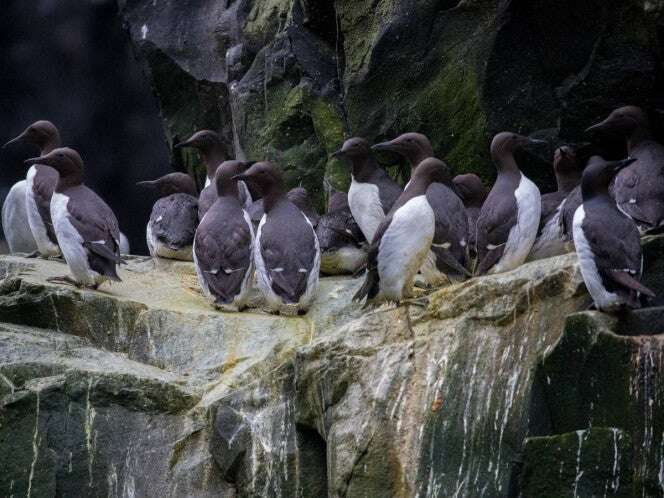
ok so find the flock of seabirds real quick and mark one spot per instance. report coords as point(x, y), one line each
point(244, 225)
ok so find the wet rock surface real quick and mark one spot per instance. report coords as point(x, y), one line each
point(476, 389)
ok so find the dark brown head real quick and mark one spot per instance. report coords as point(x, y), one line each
point(300, 197)
point(209, 144)
point(224, 177)
point(266, 177)
point(172, 183)
point(354, 148)
point(506, 143)
point(202, 140)
point(470, 188)
point(598, 175)
point(429, 171)
point(67, 162)
point(622, 122)
point(415, 147)
point(43, 134)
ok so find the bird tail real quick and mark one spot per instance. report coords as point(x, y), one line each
point(369, 288)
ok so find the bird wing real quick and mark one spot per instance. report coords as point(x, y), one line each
point(205, 199)
point(497, 217)
point(174, 220)
point(224, 254)
point(451, 229)
point(97, 224)
point(42, 188)
point(289, 265)
point(388, 191)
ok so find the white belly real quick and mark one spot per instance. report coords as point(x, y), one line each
point(524, 232)
point(44, 244)
point(71, 243)
point(365, 205)
point(15, 220)
point(161, 250)
point(551, 242)
point(124, 244)
point(403, 248)
point(273, 300)
point(603, 298)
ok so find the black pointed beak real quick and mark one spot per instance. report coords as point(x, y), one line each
point(620, 165)
point(147, 184)
point(181, 145)
point(35, 160)
point(382, 147)
point(242, 177)
point(13, 141)
point(536, 141)
point(337, 154)
point(597, 127)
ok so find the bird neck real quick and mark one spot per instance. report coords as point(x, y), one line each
point(568, 181)
point(212, 158)
point(363, 168)
point(68, 180)
point(505, 162)
point(228, 189)
point(272, 197)
point(416, 156)
point(49, 146)
point(640, 134)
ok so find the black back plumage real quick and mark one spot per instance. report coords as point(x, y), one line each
point(174, 219)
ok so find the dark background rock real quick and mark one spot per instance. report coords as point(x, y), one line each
point(72, 63)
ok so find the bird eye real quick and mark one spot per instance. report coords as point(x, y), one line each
point(61, 154)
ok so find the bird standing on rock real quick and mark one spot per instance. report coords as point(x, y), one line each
point(372, 192)
point(286, 253)
point(32, 198)
point(213, 152)
point(449, 256)
point(607, 241)
point(86, 228)
point(508, 221)
point(170, 230)
point(568, 170)
point(638, 188)
point(224, 244)
point(473, 193)
point(403, 240)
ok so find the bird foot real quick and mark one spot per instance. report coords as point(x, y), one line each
point(32, 255)
point(422, 302)
point(65, 280)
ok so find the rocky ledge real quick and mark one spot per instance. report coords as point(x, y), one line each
point(477, 390)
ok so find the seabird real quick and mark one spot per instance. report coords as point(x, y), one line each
point(550, 240)
point(372, 192)
point(213, 151)
point(38, 188)
point(402, 240)
point(224, 244)
point(509, 218)
point(298, 196)
point(170, 230)
point(639, 188)
point(86, 228)
point(286, 253)
point(473, 193)
point(449, 257)
point(607, 241)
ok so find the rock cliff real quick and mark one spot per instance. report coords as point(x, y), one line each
point(472, 390)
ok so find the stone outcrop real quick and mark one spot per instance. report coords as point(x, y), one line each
point(288, 79)
point(142, 389)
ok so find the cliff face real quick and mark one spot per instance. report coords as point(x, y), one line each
point(143, 390)
point(288, 79)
